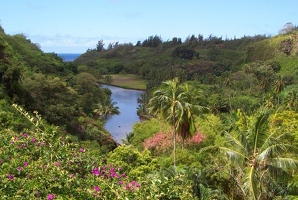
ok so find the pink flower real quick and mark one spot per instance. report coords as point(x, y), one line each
point(10, 176)
point(96, 188)
point(135, 184)
point(82, 150)
point(25, 164)
point(95, 171)
point(162, 142)
point(19, 168)
point(196, 139)
point(57, 164)
point(36, 194)
point(51, 196)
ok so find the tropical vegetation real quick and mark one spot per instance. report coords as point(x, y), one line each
point(220, 119)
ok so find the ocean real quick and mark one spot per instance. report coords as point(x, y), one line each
point(69, 57)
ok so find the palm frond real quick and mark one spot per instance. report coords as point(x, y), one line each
point(276, 150)
point(250, 183)
point(233, 155)
point(285, 163)
point(210, 149)
point(269, 140)
point(277, 174)
point(236, 143)
point(257, 131)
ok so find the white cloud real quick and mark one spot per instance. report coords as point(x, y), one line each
point(72, 44)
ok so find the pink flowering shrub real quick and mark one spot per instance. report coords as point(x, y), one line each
point(163, 142)
point(196, 139)
point(160, 142)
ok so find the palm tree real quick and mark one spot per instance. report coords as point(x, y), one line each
point(278, 87)
point(260, 161)
point(107, 108)
point(174, 102)
point(142, 107)
point(292, 100)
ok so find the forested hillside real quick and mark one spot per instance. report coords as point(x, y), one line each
point(57, 90)
point(221, 120)
point(197, 58)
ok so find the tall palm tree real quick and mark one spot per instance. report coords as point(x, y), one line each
point(259, 160)
point(279, 85)
point(174, 102)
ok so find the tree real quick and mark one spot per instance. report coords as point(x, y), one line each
point(292, 100)
point(184, 52)
point(10, 70)
point(279, 87)
point(51, 96)
point(107, 108)
point(287, 28)
point(174, 102)
point(265, 76)
point(142, 104)
point(108, 79)
point(261, 162)
point(152, 41)
point(100, 45)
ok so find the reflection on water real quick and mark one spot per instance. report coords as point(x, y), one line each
point(121, 125)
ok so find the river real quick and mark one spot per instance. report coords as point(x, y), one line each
point(121, 125)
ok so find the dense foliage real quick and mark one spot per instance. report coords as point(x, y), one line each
point(43, 82)
point(243, 146)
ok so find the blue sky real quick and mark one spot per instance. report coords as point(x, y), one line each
point(73, 26)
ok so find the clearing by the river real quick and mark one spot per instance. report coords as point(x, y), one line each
point(129, 81)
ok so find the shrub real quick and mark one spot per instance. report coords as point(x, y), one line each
point(163, 142)
point(184, 52)
point(45, 162)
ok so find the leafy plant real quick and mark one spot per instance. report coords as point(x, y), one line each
point(261, 163)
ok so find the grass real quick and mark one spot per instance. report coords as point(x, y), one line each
point(129, 81)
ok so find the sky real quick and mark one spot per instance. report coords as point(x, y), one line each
point(73, 26)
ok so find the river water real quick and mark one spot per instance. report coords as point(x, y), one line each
point(127, 101)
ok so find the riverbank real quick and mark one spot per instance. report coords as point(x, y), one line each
point(127, 81)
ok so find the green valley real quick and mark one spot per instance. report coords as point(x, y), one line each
point(220, 120)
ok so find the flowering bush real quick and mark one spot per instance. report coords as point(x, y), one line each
point(46, 163)
point(163, 142)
